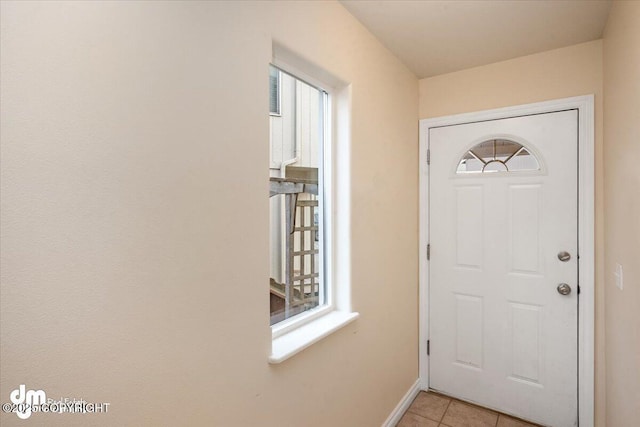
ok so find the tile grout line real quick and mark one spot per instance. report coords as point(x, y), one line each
point(445, 411)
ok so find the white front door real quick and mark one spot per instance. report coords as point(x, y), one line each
point(503, 206)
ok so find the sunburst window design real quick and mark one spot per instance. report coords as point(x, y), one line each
point(497, 155)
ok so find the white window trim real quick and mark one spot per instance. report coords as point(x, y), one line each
point(293, 342)
point(293, 335)
point(586, 229)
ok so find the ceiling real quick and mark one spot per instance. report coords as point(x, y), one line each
point(436, 37)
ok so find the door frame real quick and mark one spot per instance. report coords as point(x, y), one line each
point(586, 228)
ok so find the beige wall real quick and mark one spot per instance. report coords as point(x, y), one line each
point(622, 205)
point(560, 73)
point(135, 156)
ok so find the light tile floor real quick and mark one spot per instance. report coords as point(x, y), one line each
point(434, 410)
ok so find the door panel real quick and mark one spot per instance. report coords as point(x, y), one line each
point(501, 335)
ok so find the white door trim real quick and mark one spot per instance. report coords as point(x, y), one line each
point(586, 224)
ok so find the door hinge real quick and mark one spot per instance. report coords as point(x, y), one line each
point(428, 156)
point(428, 347)
point(428, 251)
point(578, 289)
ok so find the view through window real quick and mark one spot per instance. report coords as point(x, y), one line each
point(296, 196)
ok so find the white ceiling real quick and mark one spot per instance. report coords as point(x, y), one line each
point(436, 37)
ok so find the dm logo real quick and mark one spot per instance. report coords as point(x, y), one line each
point(26, 399)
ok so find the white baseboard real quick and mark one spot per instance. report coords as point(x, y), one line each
point(403, 405)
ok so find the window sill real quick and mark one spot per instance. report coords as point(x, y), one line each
point(291, 343)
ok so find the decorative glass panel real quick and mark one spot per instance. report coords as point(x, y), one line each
point(497, 155)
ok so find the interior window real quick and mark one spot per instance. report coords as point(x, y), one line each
point(297, 189)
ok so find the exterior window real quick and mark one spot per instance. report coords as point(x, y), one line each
point(497, 155)
point(296, 194)
point(274, 90)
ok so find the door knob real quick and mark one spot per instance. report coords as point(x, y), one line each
point(564, 289)
point(564, 256)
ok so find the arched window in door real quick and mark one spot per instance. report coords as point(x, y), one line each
point(497, 155)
